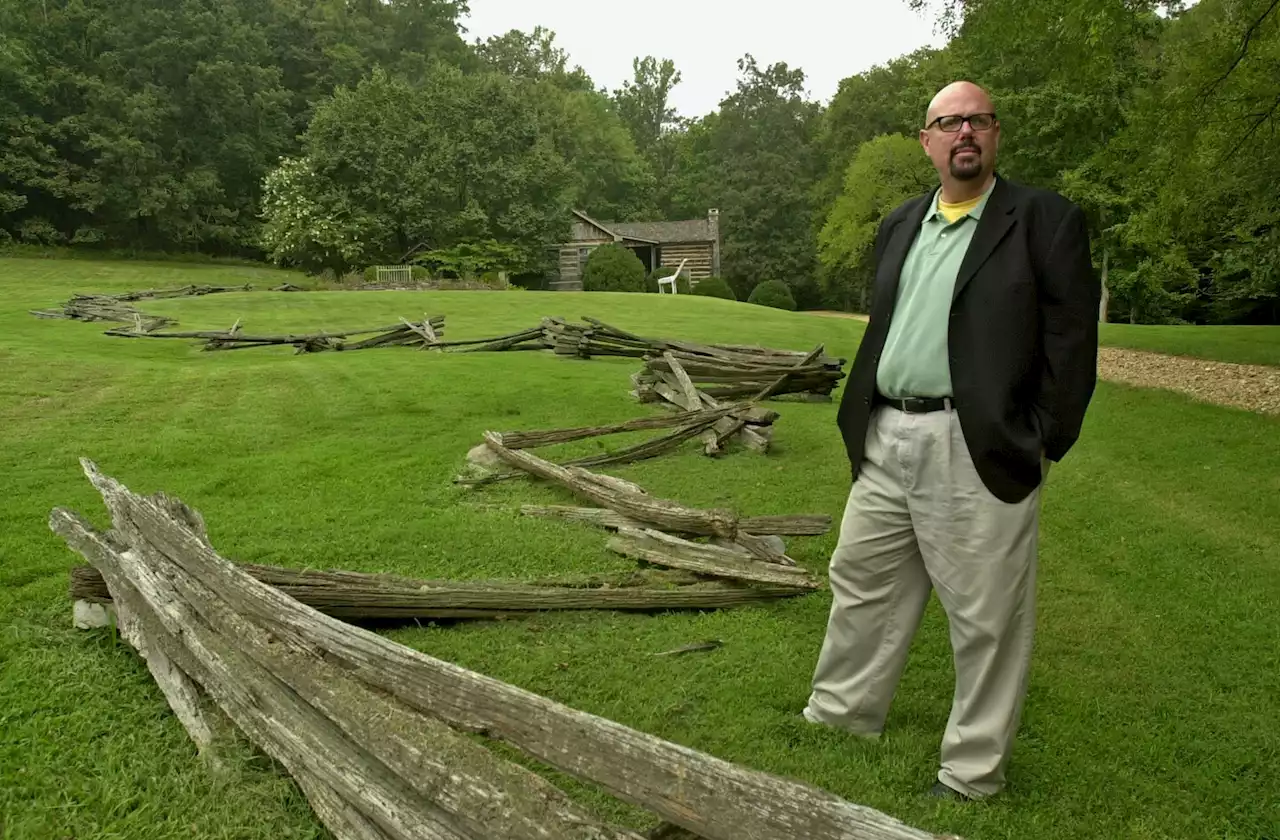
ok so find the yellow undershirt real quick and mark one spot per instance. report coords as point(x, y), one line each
point(951, 212)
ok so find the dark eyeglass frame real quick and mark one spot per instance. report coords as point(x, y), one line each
point(961, 120)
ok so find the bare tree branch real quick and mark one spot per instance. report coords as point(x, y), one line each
point(1244, 47)
point(1259, 119)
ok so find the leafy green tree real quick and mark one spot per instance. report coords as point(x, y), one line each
point(644, 105)
point(1185, 195)
point(401, 169)
point(322, 44)
point(756, 161)
point(644, 101)
point(611, 178)
point(143, 124)
point(532, 56)
point(884, 172)
point(308, 223)
point(137, 124)
point(887, 99)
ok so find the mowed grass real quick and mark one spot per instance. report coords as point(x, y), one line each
point(1246, 345)
point(1156, 683)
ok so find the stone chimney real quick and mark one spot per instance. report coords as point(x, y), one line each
point(713, 230)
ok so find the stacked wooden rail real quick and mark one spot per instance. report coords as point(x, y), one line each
point(666, 533)
point(378, 735)
point(422, 335)
point(692, 377)
point(684, 426)
point(730, 375)
point(117, 308)
point(721, 370)
point(717, 543)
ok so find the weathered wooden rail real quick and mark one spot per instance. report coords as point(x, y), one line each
point(423, 335)
point(373, 731)
point(116, 307)
point(356, 597)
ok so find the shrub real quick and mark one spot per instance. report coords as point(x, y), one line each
point(773, 293)
point(714, 287)
point(613, 268)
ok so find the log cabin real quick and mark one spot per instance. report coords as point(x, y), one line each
point(659, 245)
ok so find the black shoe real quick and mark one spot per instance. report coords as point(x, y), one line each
point(941, 791)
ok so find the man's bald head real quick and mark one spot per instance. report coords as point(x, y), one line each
point(964, 154)
point(950, 98)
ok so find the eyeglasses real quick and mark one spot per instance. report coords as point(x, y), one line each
point(951, 123)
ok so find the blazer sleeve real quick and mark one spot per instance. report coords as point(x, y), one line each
point(1070, 293)
point(883, 231)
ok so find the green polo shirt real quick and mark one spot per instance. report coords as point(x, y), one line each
point(914, 360)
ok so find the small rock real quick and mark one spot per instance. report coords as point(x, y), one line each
point(483, 457)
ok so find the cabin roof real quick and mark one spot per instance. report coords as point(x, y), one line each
point(654, 233)
point(689, 230)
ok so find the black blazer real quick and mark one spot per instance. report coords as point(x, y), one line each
point(1022, 339)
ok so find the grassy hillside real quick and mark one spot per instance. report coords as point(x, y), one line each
point(1247, 345)
point(1153, 695)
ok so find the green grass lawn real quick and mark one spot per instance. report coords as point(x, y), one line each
point(1249, 345)
point(1156, 683)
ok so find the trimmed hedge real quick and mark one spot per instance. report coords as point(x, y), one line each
point(613, 268)
point(714, 287)
point(773, 293)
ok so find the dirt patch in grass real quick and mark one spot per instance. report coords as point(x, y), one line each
point(1251, 387)
point(832, 313)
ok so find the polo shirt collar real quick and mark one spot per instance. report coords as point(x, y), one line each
point(976, 212)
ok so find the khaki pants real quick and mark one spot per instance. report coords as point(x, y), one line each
point(918, 519)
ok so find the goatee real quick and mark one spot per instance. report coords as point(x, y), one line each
point(968, 170)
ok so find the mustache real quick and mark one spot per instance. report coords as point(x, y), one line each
point(968, 144)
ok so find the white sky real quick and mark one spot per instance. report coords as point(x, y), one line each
point(828, 39)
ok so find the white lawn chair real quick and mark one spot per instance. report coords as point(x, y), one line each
point(671, 281)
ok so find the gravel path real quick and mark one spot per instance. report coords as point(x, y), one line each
point(1251, 387)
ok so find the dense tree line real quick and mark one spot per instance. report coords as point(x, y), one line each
point(335, 134)
point(1160, 121)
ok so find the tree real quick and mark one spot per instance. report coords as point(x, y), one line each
point(756, 161)
point(398, 168)
point(611, 178)
point(644, 107)
point(644, 102)
point(152, 132)
point(887, 99)
point(884, 172)
point(1189, 202)
point(151, 125)
point(532, 56)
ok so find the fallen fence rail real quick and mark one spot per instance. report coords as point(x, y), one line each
point(372, 731)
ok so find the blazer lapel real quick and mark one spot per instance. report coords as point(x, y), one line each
point(895, 252)
point(997, 218)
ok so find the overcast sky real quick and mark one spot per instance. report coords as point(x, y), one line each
point(828, 39)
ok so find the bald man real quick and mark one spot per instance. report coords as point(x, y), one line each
point(974, 373)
